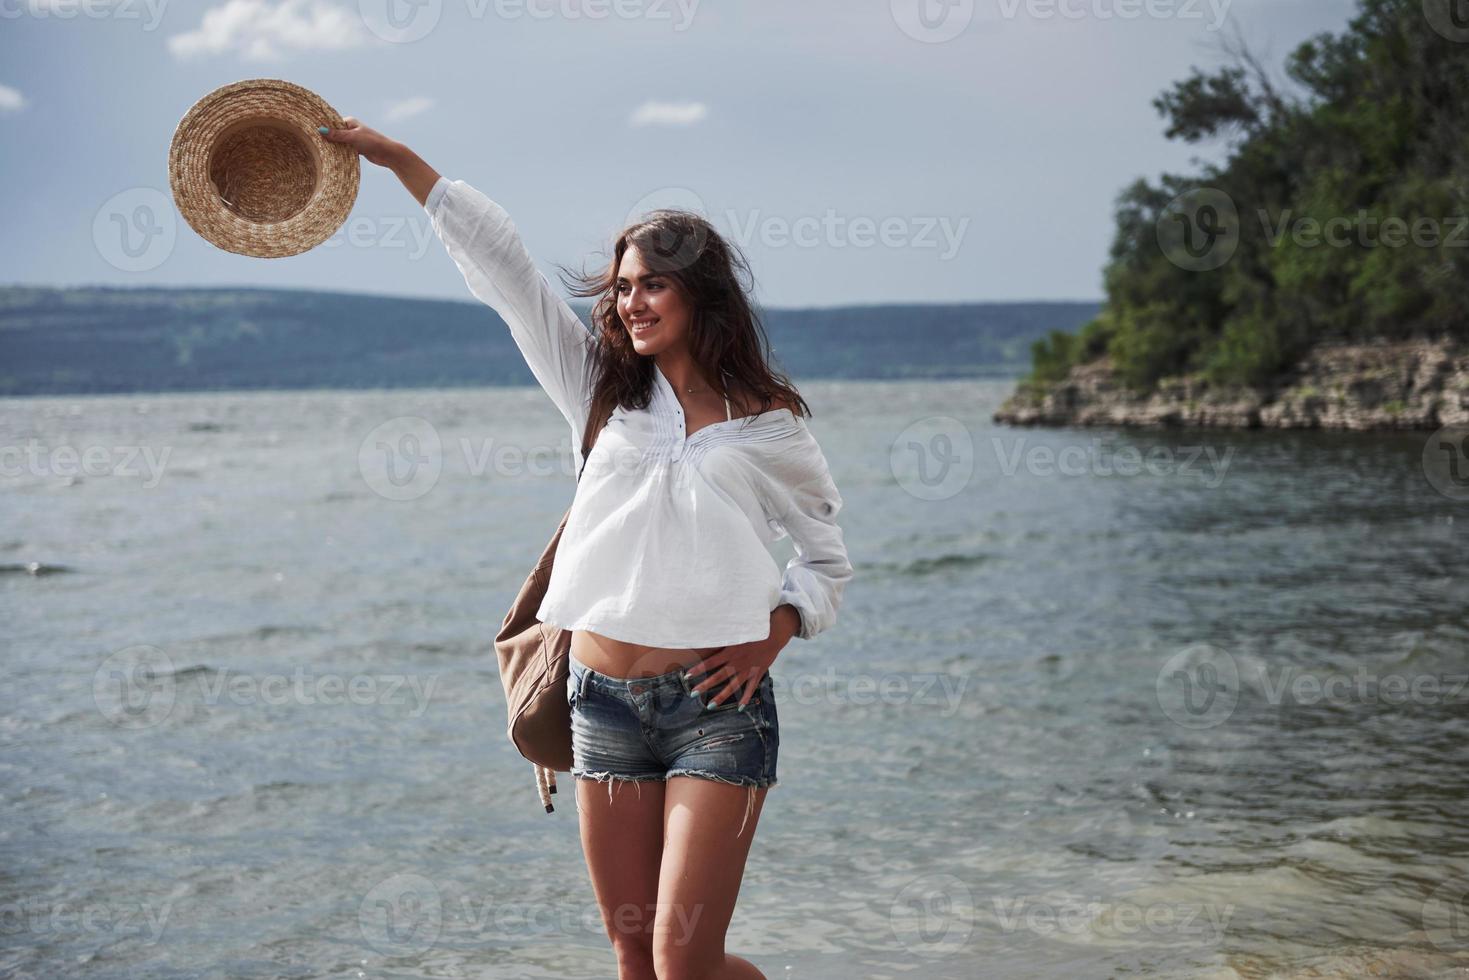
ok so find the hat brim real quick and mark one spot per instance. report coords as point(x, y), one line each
point(301, 187)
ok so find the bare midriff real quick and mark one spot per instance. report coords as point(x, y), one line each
point(616, 658)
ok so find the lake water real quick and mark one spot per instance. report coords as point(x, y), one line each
point(1099, 703)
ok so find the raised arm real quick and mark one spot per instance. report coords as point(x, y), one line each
point(487, 248)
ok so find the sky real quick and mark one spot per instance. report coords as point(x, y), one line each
point(856, 151)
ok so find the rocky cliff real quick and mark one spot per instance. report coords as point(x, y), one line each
point(1418, 384)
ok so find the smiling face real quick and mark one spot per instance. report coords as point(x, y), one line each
point(654, 312)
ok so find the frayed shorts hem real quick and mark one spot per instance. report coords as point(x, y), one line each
point(750, 783)
point(736, 780)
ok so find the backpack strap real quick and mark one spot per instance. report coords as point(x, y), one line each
point(589, 438)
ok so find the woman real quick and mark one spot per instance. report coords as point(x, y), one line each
point(701, 457)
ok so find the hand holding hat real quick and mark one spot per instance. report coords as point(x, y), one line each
point(374, 146)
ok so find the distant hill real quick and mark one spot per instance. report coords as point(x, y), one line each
point(107, 340)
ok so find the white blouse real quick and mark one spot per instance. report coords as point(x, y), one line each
point(666, 541)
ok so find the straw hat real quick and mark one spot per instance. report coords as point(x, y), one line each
point(250, 172)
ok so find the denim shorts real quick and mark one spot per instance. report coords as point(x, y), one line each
point(651, 728)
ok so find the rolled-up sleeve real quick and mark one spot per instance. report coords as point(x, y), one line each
point(487, 248)
point(816, 578)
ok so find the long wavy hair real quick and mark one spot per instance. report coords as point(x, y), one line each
point(725, 336)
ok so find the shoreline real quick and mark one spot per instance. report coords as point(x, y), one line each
point(1366, 386)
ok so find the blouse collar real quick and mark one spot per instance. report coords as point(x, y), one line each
point(740, 423)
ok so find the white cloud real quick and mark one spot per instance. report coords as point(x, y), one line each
point(261, 30)
point(669, 114)
point(407, 108)
point(11, 100)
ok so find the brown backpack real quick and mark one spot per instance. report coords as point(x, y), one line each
point(534, 667)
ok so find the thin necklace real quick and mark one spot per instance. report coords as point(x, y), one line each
point(695, 391)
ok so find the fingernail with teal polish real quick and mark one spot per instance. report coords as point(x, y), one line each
point(322, 130)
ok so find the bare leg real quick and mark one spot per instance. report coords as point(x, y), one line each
point(622, 837)
point(704, 853)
